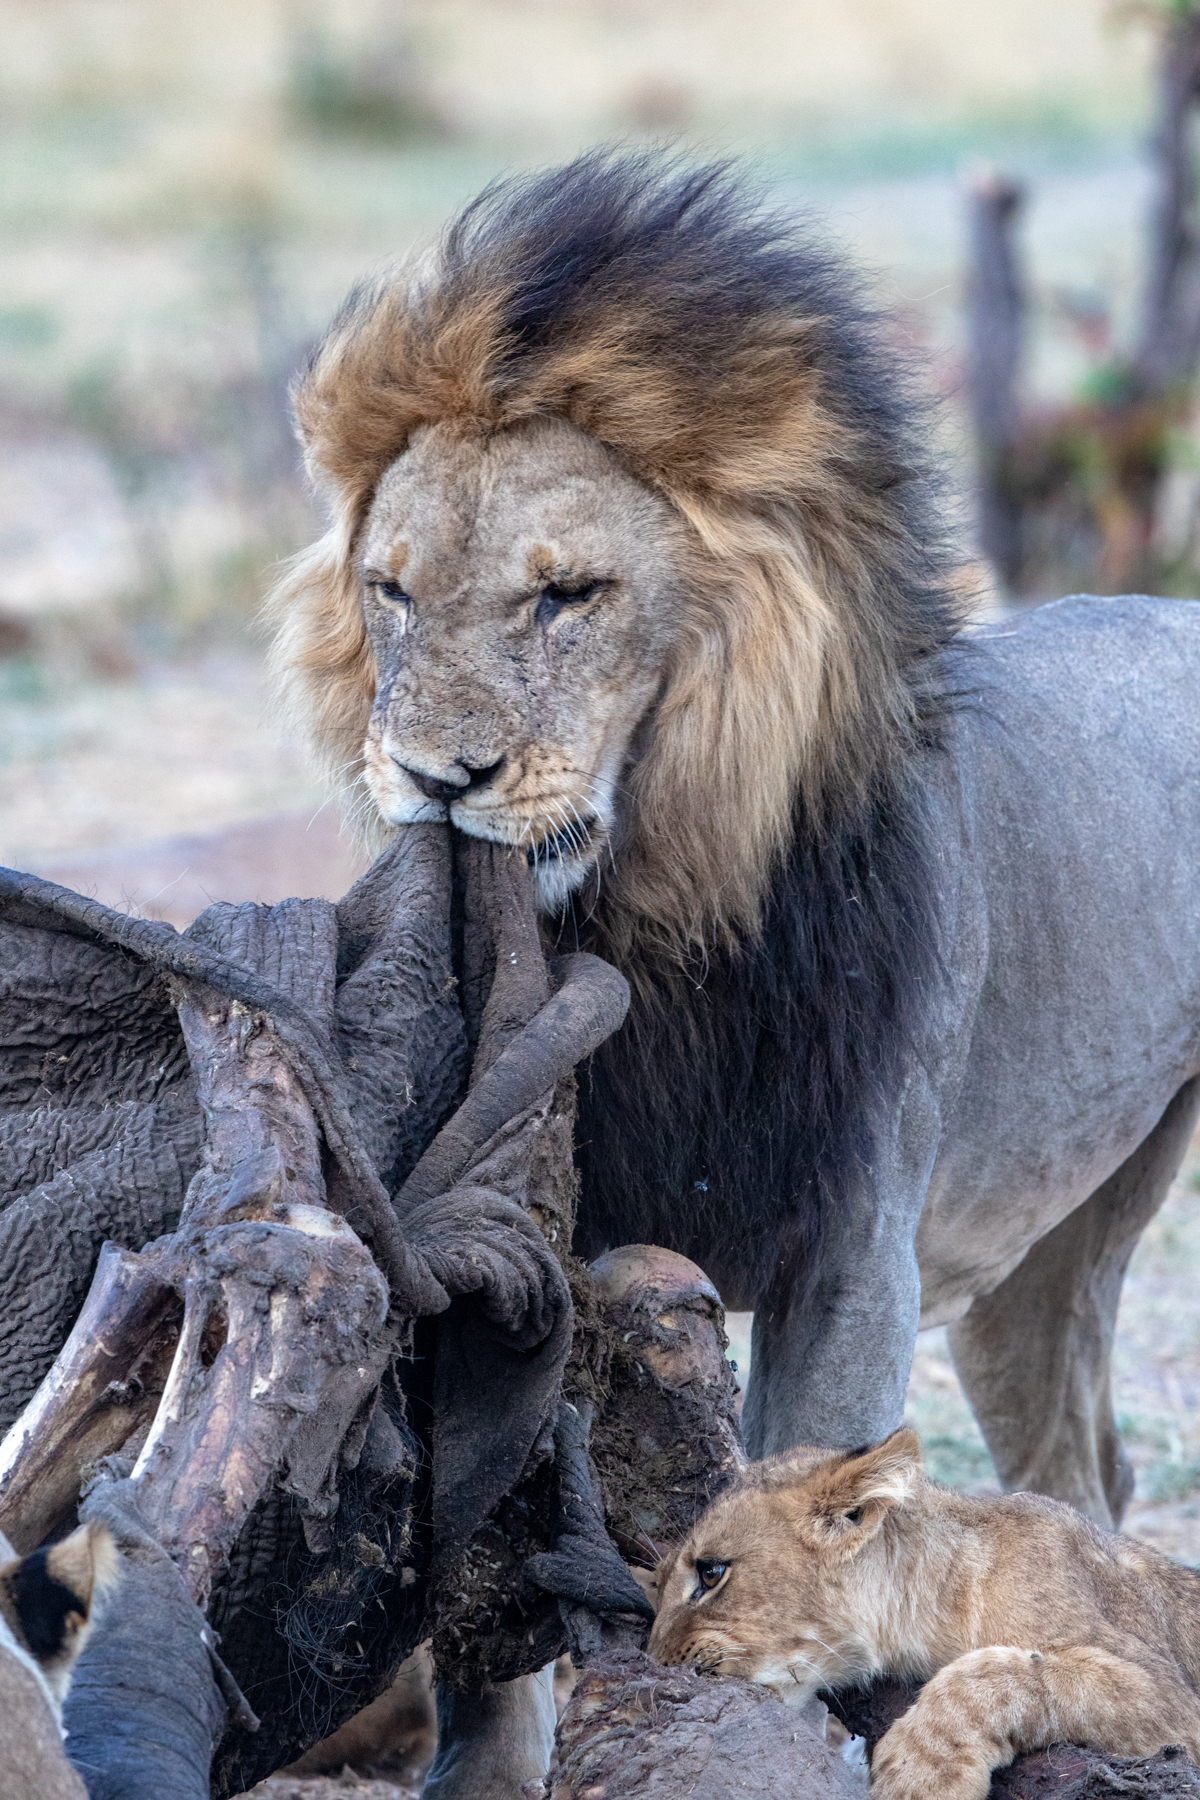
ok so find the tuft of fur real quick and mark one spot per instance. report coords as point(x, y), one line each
point(1027, 1623)
point(49, 1600)
point(770, 900)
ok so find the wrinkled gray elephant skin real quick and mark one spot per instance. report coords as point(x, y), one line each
point(1049, 1099)
point(102, 1133)
point(377, 1023)
point(145, 1710)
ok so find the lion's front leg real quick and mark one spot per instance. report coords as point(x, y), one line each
point(494, 1741)
point(832, 1348)
point(984, 1709)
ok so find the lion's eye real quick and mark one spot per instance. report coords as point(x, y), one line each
point(554, 597)
point(854, 1516)
point(392, 591)
point(709, 1573)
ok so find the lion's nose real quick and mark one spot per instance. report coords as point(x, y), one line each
point(439, 787)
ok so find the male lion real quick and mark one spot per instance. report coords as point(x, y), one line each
point(1028, 1623)
point(635, 565)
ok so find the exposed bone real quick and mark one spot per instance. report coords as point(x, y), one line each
point(284, 1321)
point(263, 1149)
point(306, 1338)
point(103, 1387)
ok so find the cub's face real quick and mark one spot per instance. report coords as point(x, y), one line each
point(523, 597)
point(744, 1598)
point(785, 1580)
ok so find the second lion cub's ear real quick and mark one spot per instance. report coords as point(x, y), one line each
point(845, 1500)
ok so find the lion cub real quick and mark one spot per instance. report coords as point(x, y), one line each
point(1029, 1624)
point(48, 1604)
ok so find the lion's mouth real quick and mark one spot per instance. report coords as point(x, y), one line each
point(570, 840)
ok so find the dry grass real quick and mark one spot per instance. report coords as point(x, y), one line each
point(189, 193)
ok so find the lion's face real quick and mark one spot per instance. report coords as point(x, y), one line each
point(785, 1580)
point(745, 1597)
point(521, 594)
point(626, 552)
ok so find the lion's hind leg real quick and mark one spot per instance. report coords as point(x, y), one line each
point(991, 1705)
point(1033, 1355)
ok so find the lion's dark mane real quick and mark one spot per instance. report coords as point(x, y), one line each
point(729, 1115)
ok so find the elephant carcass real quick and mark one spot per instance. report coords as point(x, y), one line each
point(635, 1730)
point(249, 1344)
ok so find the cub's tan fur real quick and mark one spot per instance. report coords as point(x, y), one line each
point(1028, 1623)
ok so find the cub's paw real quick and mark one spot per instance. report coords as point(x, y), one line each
point(958, 1731)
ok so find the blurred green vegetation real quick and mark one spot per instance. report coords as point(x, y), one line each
point(189, 195)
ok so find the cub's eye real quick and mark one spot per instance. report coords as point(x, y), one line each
point(854, 1516)
point(391, 590)
point(708, 1574)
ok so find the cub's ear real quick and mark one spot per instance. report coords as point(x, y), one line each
point(50, 1598)
point(845, 1501)
point(86, 1564)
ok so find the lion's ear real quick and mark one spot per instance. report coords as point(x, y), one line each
point(847, 1500)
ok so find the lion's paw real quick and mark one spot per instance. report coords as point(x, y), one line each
point(949, 1742)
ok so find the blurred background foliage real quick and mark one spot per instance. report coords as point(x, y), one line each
point(189, 192)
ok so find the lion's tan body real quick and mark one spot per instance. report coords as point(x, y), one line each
point(1029, 1624)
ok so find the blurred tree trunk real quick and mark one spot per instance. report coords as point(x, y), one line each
point(1091, 471)
point(1165, 358)
point(996, 330)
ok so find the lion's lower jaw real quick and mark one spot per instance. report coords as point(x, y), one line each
point(796, 1676)
point(554, 883)
point(560, 865)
